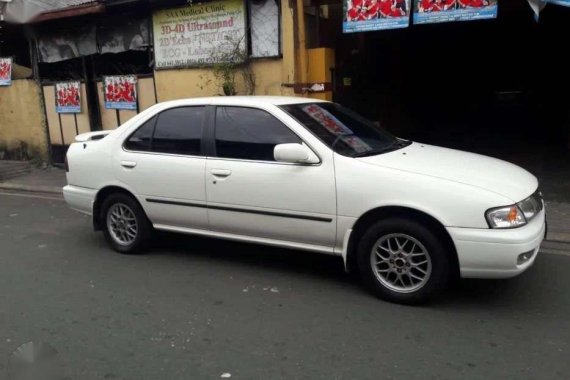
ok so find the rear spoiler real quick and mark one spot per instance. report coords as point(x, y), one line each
point(91, 136)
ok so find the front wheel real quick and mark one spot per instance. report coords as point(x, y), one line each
point(127, 228)
point(403, 261)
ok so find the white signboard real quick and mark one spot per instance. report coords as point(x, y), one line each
point(198, 34)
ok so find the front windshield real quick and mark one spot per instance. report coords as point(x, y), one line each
point(343, 130)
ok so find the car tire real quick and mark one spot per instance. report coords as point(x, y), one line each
point(403, 261)
point(125, 224)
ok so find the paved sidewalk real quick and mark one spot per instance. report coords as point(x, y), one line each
point(52, 179)
point(48, 180)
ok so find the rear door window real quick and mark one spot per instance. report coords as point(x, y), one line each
point(141, 139)
point(174, 131)
point(179, 131)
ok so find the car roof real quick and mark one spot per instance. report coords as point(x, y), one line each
point(241, 100)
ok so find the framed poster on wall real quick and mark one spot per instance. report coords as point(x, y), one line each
point(369, 15)
point(199, 34)
point(6, 71)
point(68, 97)
point(120, 92)
point(435, 11)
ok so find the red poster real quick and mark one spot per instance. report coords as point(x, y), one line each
point(5, 71)
point(120, 92)
point(68, 97)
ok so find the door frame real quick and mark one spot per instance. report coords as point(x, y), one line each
point(211, 156)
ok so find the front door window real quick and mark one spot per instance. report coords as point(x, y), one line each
point(249, 133)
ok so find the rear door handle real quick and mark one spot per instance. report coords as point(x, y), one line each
point(128, 164)
point(221, 173)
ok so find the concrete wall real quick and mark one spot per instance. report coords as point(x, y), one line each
point(22, 125)
point(272, 75)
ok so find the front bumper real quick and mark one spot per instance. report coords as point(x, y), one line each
point(494, 253)
point(80, 198)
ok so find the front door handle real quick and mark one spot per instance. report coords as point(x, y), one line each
point(128, 164)
point(221, 173)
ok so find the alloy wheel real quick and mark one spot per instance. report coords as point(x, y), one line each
point(401, 263)
point(122, 224)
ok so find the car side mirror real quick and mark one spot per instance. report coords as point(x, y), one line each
point(294, 154)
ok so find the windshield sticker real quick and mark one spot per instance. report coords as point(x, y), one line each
point(327, 120)
point(356, 143)
point(336, 127)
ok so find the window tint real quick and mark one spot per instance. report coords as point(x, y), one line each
point(249, 133)
point(178, 131)
point(141, 139)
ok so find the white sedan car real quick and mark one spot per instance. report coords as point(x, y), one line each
point(314, 176)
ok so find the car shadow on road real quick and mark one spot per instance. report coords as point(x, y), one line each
point(326, 267)
point(536, 290)
point(520, 292)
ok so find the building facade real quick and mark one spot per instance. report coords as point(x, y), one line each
point(93, 65)
point(491, 84)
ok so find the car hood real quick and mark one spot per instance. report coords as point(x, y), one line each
point(471, 169)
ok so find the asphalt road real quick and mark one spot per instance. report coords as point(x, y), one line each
point(195, 308)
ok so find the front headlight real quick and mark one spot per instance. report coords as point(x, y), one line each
point(530, 206)
point(515, 215)
point(505, 217)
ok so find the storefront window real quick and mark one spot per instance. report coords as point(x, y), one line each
point(264, 28)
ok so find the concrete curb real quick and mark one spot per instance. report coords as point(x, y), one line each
point(561, 237)
point(557, 248)
point(31, 188)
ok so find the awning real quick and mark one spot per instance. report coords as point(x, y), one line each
point(25, 11)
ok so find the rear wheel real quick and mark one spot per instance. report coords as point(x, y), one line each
point(126, 226)
point(403, 261)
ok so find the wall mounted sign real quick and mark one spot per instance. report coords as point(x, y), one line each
point(5, 71)
point(120, 92)
point(434, 11)
point(368, 15)
point(68, 97)
point(199, 34)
